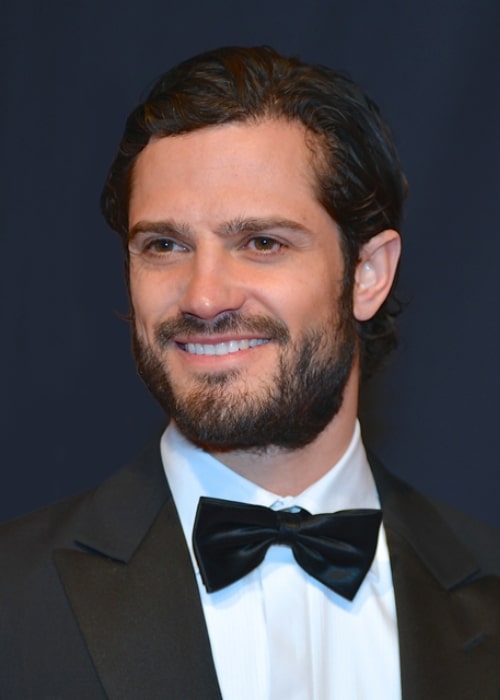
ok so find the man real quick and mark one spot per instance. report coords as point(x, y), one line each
point(259, 202)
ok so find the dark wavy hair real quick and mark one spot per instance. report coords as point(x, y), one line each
point(359, 178)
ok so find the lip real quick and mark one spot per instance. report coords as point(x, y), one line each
point(220, 346)
point(219, 338)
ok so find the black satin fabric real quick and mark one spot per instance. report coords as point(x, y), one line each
point(231, 539)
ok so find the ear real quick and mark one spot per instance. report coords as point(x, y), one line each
point(375, 272)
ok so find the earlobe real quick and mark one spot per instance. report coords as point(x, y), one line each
point(375, 273)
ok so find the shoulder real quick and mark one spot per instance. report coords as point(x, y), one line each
point(49, 526)
point(438, 532)
point(139, 487)
point(480, 539)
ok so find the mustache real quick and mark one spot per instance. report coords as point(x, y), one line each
point(230, 322)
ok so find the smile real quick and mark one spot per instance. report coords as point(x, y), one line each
point(219, 349)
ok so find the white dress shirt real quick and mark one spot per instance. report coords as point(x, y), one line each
point(277, 633)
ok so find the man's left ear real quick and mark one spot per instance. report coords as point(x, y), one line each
point(375, 272)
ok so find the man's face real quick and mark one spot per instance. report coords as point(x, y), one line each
point(242, 326)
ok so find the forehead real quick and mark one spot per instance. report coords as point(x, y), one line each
point(251, 163)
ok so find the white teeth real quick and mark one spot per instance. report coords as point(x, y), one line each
point(223, 348)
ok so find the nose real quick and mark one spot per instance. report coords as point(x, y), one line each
point(212, 286)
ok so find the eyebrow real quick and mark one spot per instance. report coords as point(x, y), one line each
point(234, 227)
point(258, 225)
point(167, 227)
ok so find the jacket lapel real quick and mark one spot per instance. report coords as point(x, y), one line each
point(132, 589)
point(447, 609)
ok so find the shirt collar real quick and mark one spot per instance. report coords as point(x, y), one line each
point(192, 473)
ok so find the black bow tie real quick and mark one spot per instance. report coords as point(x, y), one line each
point(230, 539)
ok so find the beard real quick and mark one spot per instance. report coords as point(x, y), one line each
point(288, 412)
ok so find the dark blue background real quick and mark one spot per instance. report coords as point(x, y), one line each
point(71, 407)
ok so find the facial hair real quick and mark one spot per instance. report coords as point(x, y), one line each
point(288, 412)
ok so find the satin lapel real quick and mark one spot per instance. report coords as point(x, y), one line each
point(136, 598)
point(448, 639)
point(448, 613)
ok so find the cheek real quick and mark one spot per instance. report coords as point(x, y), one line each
point(150, 301)
point(308, 300)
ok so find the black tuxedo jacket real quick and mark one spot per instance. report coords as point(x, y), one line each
point(98, 598)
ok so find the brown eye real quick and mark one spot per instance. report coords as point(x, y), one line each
point(160, 245)
point(265, 244)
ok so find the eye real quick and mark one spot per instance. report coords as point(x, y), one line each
point(161, 245)
point(264, 244)
point(154, 246)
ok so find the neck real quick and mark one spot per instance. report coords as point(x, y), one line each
point(289, 472)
